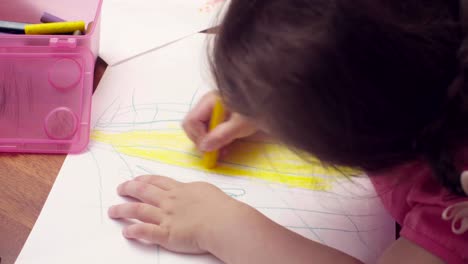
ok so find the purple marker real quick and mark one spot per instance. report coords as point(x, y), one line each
point(49, 18)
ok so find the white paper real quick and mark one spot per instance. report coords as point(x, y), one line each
point(147, 94)
point(132, 27)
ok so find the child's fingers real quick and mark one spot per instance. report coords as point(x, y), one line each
point(194, 129)
point(221, 136)
point(189, 134)
point(153, 234)
point(195, 123)
point(140, 211)
point(224, 134)
point(142, 191)
point(223, 153)
point(204, 107)
point(162, 182)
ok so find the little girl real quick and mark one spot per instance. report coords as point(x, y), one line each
point(370, 84)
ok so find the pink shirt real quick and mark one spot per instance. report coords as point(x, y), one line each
point(416, 201)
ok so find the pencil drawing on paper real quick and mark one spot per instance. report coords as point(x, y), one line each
point(266, 161)
point(151, 132)
point(160, 139)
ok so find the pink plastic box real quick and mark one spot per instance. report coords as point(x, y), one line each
point(46, 81)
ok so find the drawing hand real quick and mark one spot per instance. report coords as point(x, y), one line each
point(196, 126)
point(177, 216)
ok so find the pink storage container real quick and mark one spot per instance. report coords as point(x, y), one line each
point(46, 81)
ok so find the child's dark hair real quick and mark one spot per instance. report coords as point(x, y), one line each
point(369, 84)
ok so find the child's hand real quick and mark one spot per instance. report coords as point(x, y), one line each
point(196, 126)
point(178, 216)
point(199, 218)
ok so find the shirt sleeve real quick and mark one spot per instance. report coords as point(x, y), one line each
point(416, 201)
point(424, 226)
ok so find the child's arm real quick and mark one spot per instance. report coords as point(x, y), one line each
point(198, 218)
point(268, 242)
point(404, 251)
point(256, 239)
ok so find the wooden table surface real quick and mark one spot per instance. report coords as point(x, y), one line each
point(25, 183)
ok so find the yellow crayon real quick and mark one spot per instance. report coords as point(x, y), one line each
point(217, 117)
point(54, 28)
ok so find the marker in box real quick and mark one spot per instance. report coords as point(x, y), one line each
point(49, 18)
point(90, 26)
point(12, 27)
point(42, 29)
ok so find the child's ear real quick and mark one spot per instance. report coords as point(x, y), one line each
point(464, 181)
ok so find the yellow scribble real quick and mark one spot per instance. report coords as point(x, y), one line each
point(267, 161)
